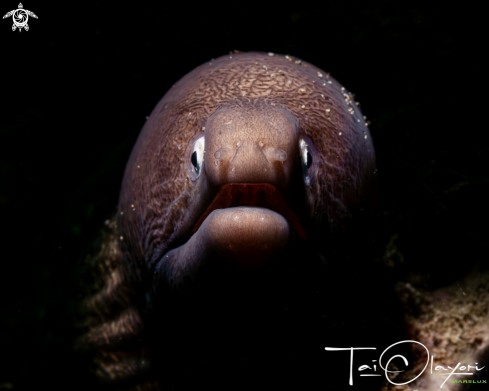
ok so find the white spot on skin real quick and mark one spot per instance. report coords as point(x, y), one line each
point(320, 74)
point(340, 133)
point(330, 82)
point(264, 66)
point(302, 91)
point(303, 106)
point(328, 110)
point(271, 54)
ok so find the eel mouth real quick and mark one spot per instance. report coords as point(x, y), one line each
point(247, 225)
point(264, 195)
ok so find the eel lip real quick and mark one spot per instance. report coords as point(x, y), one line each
point(253, 194)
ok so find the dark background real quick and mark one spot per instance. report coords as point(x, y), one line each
point(77, 87)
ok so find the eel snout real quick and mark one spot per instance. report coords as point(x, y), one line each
point(250, 146)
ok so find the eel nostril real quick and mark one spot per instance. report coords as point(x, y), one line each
point(225, 153)
point(275, 154)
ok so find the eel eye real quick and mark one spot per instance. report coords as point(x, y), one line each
point(309, 160)
point(195, 156)
point(195, 163)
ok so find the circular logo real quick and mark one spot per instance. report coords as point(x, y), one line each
point(20, 17)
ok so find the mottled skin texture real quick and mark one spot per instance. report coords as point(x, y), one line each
point(253, 108)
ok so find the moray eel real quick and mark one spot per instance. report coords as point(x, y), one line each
point(238, 155)
point(243, 159)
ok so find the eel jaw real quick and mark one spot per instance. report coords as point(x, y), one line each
point(253, 194)
point(247, 224)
